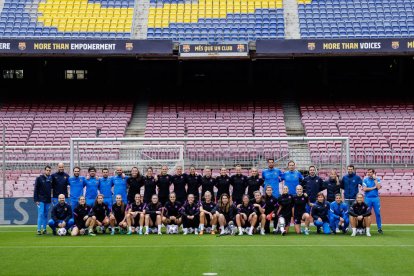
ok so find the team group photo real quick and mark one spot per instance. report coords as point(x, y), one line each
point(272, 202)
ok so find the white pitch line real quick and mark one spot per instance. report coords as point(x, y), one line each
point(203, 245)
point(209, 273)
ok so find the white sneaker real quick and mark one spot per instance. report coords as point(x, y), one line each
point(368, 234)
point(240, 233)
point(196, 231)
point(185, 231)
point(353, 234)
point(250, 233)
point(337, 230)
point(262, 232)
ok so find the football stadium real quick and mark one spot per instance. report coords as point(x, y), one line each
point(206, 137)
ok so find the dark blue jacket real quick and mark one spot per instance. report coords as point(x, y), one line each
point(332, 188)
point(62, 212)
point(60, 183)
point(312, 185)
point(350, 184)
point(321, 210)
point(43, 189)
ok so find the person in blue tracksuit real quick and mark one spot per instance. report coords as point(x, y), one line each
point(339, 217)
point(92, 186)
point(350, 184)
point(292, 178)
point(312, 185)
point(60, 183)
point(320, 214)
point(77, 183)
point(119, 182)
point(271, 177)
point(61, 215)
point(370, 186)
point(43, 197)
point(105, 187)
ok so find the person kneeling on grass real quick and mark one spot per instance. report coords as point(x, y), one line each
point(190, 214)
point(338, 217)
point(259, 207)
point(283, 214)
point(360, 216)
point(226, 213)
point(100, 213)
point(153, 215)
point(172, 216)
point(61, 215)
point(320, 214)
point(117, 216)
point(208, 217)
point(136, 215)
point(82, 220)
point(301, 213)
point(247, 216)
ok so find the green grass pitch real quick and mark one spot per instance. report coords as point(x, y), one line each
point(24, 253)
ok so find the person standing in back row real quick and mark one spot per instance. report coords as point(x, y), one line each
point(43, 198)
point(60, 183)
point(134, 184)
point(292, 178)
point(119, 182)
point(312, 185)
point(371, 186)
point(179, 180)
point(105, 187)
point(239, 183)
point(223, 182)
point(77, 183)
point(271, 177)
point(164, 184)
point(332, 186)
point(194, 183)
point(92, 186)
point(350, 184)
point(208, 182)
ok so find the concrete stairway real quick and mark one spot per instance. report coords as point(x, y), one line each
point(299, 151)
point(136, 127)
point(140, 19)
point(291, 15)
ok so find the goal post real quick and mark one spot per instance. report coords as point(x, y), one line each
point(209, 151)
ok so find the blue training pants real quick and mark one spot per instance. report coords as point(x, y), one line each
point(374, 203)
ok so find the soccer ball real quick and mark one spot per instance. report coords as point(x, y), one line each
point(153, 230)
point(61, 231)
point(172, 229)
point(360, 231)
